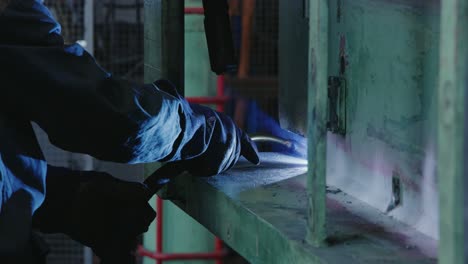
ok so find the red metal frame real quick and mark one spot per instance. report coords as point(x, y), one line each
point(219, 100)
point(216, 100)
point(194, 11)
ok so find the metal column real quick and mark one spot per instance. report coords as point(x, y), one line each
point(317, 131)
point(453, 80)
point(165, 58)
point(164, 41)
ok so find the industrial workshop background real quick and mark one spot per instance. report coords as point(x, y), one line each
point(112, 30)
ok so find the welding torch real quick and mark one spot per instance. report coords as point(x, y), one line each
point(164, 174)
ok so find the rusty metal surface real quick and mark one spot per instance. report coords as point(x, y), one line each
point(261, 212)
point(388, 52)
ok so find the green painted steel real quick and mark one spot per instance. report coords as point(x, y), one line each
point(261, 212)
point(153, 70)
point(388, 53)
point(164, 41)
point(200, 81)
point(180, 232)
point(453, 82)
point(293, 44)
point(317, 109)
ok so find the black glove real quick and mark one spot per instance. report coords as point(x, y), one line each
point(227, 144)
point(224, 146)
point(97, 210)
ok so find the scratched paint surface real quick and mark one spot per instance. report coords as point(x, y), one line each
point(261, 212)
point(388, 53)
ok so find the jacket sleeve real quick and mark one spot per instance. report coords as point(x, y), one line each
point(82, 107)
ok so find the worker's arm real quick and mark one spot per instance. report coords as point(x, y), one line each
point(85, 109)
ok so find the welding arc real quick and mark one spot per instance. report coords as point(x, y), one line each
point(271, 139)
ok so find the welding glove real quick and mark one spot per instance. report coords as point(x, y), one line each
point(224, 144)
point(97, 210)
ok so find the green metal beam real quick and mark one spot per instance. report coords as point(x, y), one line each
point(182, 234)
point(166, 30)
point(317, 109)
point(453, 80)
point(293, 44)
point(164, 41)
point(261, 212)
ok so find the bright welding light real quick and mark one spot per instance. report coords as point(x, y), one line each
point(292, 144)
point(295, 161)
point(265, 130)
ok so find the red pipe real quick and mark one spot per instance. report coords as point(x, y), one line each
point(194, 10)
point(159, 228)
point(219, 248)
point(217, 100)
point(180, 256)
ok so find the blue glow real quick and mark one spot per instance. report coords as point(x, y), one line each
point(257, 121)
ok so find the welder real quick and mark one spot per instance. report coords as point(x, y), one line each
point(85, 109)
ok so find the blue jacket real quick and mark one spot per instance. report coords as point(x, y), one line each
point(82, 108)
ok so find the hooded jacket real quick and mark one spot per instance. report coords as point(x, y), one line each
point(81, 107)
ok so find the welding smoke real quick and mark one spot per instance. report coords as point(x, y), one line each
point(429, 220)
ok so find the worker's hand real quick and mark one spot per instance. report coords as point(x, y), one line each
point(94, 208)
point(108, 215)
point(226, 145)
point(223, 146)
